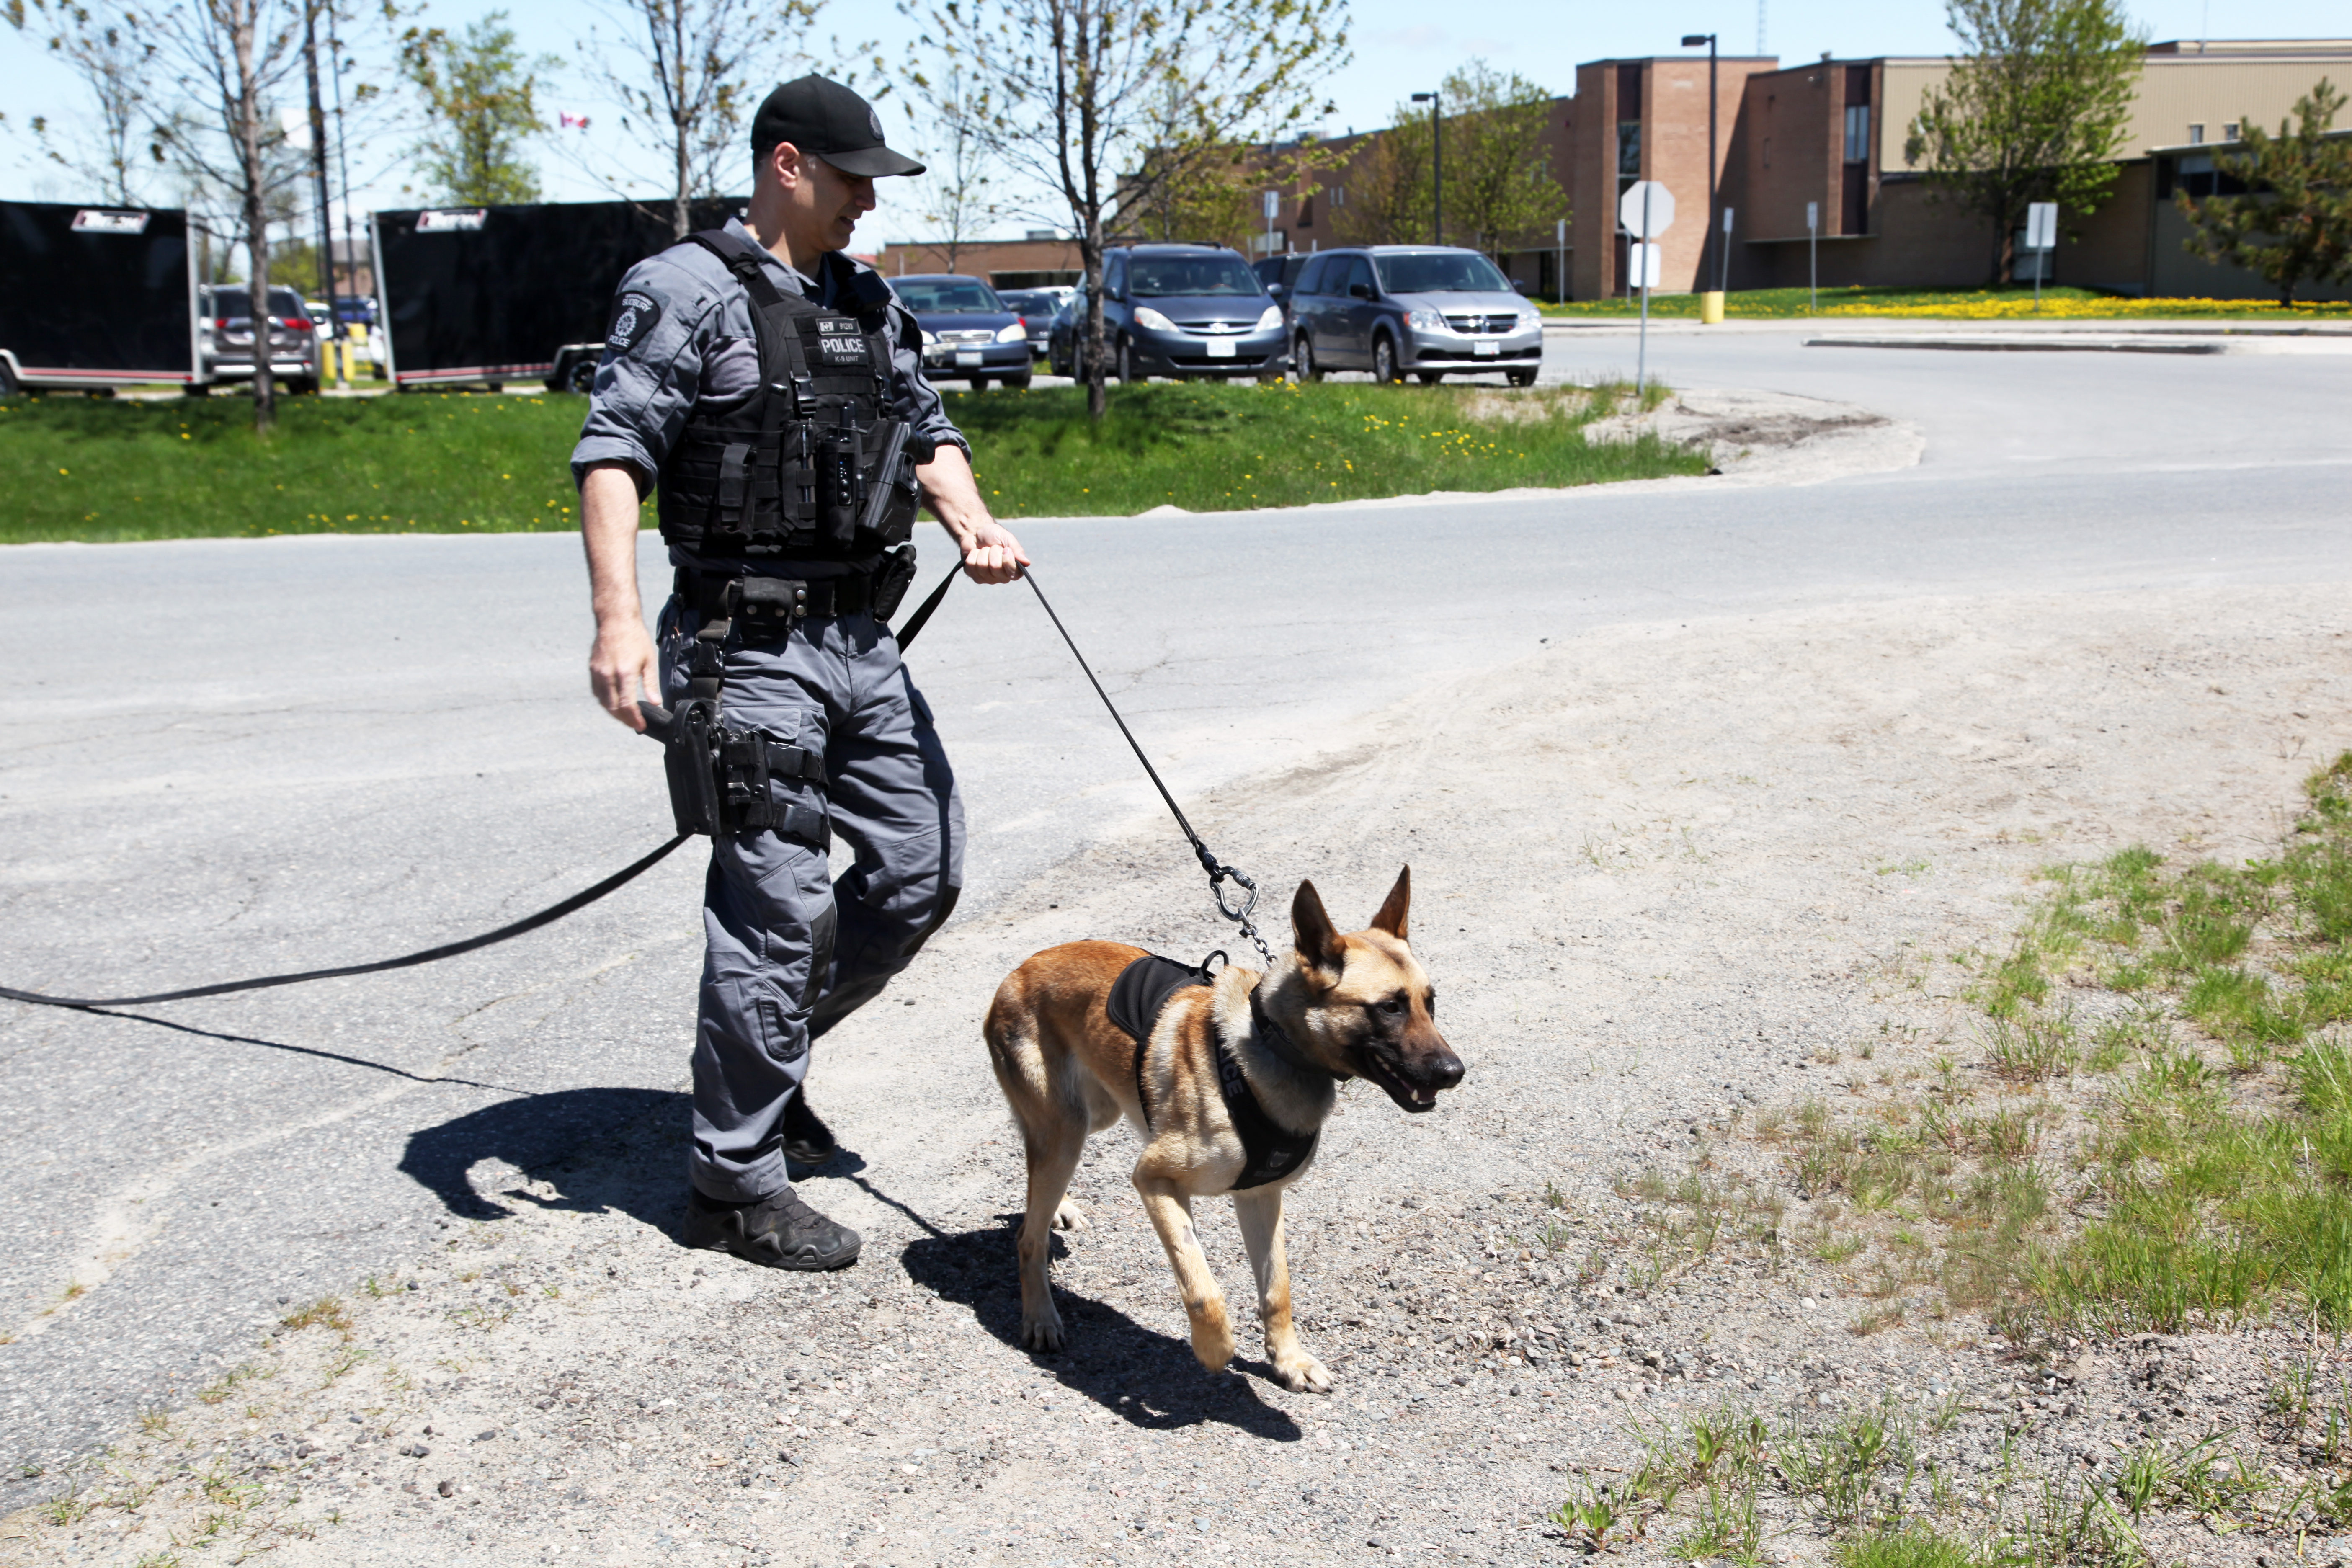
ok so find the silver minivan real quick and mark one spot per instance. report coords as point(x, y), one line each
point(1420, 310)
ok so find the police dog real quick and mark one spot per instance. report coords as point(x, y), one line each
point(1339, 1006)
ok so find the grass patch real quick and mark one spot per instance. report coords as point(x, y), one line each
point(2058, 302)
point(105, 470)
point(110, 470)
point(2216, 1192)
point(1211, 447)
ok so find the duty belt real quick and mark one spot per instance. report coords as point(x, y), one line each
point(719, 597)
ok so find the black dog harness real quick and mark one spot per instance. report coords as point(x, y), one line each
point(1269, 1150)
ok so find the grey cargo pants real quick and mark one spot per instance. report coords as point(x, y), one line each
point(789, 952)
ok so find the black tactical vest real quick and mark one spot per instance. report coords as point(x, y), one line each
point(811, 467)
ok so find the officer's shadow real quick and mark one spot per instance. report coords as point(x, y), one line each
point(601, 1148)
point(1147, 1378)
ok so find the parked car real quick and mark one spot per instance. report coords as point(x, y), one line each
point(1036, 307)
point(968, 331)
point(1188, 310)
point(1062, 336)
point(1278, 273)
point(1430, 310)
point(224, 337)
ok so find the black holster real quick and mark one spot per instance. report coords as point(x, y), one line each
point(720, 777)
point(891, 581)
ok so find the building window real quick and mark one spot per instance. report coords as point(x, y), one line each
point(1768, 152)
point(1339, 196)
point(1857, 133)
point(2196, 133)
point(1629, 147)
point(2229, 131)
point(1307, 212)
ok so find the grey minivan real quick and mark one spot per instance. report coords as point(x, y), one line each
point(1431, 310)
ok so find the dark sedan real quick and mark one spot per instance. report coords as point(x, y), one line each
point(1036, 307)
point(1188, 310)
point(968, 335)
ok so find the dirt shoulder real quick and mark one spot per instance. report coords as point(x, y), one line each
point(1667, 878)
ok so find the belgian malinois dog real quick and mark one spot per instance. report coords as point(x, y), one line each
point(1342, 1006)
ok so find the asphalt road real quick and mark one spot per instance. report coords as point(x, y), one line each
point(231, 757)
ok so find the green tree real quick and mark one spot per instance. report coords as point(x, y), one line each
point(2034, 110)
point(687, 72)
point(2296, 220)
point(1388, 184)
point(1499, 186)
point(480, 96)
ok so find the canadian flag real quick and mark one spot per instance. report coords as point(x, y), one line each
point(572, 122)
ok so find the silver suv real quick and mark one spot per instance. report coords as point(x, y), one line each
point(1430, 310)
point(224, 337)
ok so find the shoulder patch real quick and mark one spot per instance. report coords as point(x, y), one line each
point(633, 315)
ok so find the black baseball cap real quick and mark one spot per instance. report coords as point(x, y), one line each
point(819, 115)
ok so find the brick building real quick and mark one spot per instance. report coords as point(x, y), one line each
point(1831, 133)
point(1036, 263)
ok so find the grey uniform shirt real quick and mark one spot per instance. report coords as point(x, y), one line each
point(682, 335)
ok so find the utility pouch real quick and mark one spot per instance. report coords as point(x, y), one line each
point(891, 581)
point(769, 606)
point(836, 486)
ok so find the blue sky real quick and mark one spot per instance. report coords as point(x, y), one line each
point(1401, 46)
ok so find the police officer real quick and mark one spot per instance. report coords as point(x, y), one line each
point(773, 389)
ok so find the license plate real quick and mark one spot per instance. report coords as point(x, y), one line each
point(1220, 348)
point(967, 357)
point(1485, 350)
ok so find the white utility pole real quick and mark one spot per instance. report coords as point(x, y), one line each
point(1813, 254)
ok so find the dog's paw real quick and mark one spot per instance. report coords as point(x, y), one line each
point(1212, 1341)
point(1042, 1333)
point(1069, 1216)
point(1304, 1376)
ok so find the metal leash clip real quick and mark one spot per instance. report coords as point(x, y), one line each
point(1218, 877)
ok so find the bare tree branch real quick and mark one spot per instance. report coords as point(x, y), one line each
point(1104, 102)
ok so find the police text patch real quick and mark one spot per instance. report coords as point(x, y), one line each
point(633, 317)
point(840, 340)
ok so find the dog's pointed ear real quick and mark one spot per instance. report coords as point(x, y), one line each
point(1316, 938)
point(1391, 916)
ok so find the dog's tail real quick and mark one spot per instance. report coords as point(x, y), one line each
point(1015, 1050)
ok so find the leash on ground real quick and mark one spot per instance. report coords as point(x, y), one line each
point(547, 916)
point(579, 900)
point(1237, 912)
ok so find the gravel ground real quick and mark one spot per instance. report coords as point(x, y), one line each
point(1667, 876)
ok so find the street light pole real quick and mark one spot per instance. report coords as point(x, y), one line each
point(1437, 163)
point(1692, 41)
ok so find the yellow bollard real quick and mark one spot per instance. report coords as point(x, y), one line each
point(1710, 307)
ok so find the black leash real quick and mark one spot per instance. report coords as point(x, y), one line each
point(1219, 874)
point(579, 900)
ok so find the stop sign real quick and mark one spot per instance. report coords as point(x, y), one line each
point(1646, 210)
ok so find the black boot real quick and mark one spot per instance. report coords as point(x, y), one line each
point(777, 1232)
point(807, 1140)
